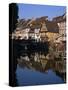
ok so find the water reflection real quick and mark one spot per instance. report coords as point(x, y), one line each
point(34, 68)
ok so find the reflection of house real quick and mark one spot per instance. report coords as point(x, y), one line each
point(59, 66)
point(38, 62)
point(43, 60)
point(61, 21)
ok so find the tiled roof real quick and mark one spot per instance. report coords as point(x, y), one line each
point(37, 23)
point(52, 27)
point(60, 18)
point(23, 24)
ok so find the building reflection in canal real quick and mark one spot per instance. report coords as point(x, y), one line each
point(35, 69)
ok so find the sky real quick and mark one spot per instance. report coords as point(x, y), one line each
point(29, 11)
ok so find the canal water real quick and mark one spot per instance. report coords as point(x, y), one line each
point(34, 69)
